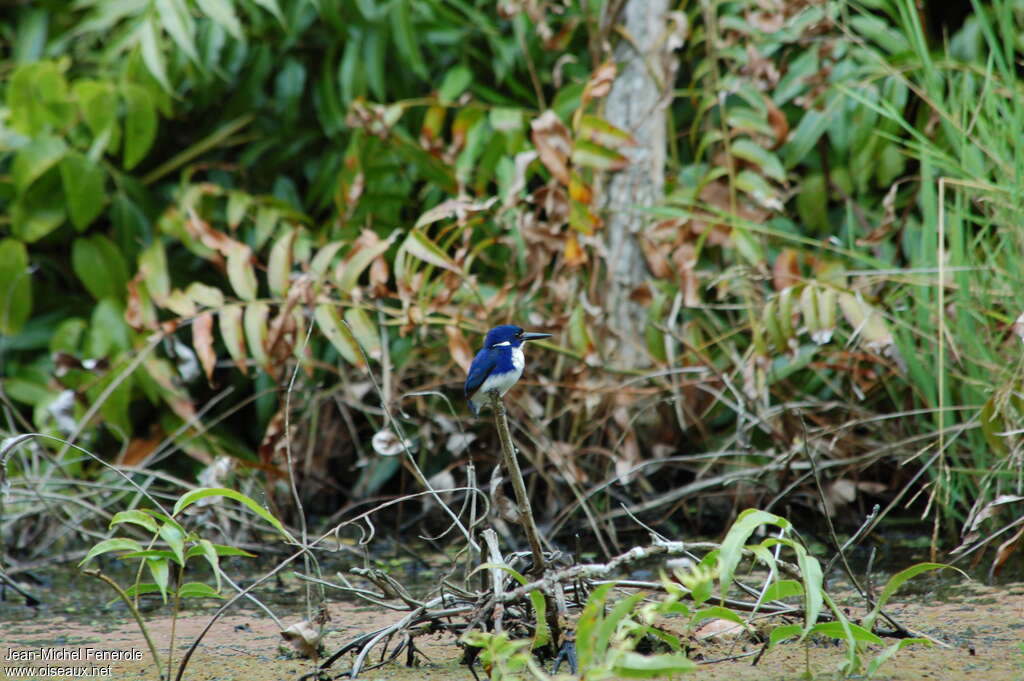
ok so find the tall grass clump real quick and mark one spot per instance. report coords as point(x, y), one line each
point(957, 296)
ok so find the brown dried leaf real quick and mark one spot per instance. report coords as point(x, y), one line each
point(766, 22)
point(304, 637)
point(202, 341)
point(657, 261)
point(558, 40)
point(575, 256)
point(786, 270)
point(779, 124)
point(989, 509)
point(685, 260)
point(459, 208)
point(458, 346)
point(1005, 550)
point(139, 312)
point(600, 83)
point(274, 440)
point(161, 371)
point(139, 448)
point(551, 138)
point(202, 232)
point(641, 294)
point(718, 628)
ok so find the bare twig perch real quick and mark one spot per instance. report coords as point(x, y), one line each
point(508, 452)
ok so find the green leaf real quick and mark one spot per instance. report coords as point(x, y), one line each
point(231, 551)
point(256, 321)
point(135, 517)
point(756, 187)
point(364, 331)
point(279, 263)
point(195, 495)
point(718, 612)
point(842, 630)
point(161, 570)
point(812, 203)
point(229, 321)
point(542, 634)
point(152, 55)
point(240, 271)
point(68, 335)
point(322, 260)
point(108, 545)
point(454, 84)
point(329, 321)
point(586, 627)
point(802, 141)
point(420, 246)
point(209, 551)
point(348, 272)
point(37, 96)
point(223, 12)
point(608, 625)
point(781, 633)
point(898, 580)
point(888, 652)
point(206, 296)
point(150, 553)
point(84, 189)
point(139, 124)
point(98, 103)
point(153, 266)
point(731, 550)
point(175, 539)
point(632, 665)
point(198, 590)
point(40, 210)
point(177, 21)
point(108, 333)
point(405, 37)
point(275, 9)
point(602, 133)
point(15, 286)
point(784, 588)
point(592, 155)
point(140, 589)
point(34, 159)
point(768, 162)
point(238, 206)
point(98, 263)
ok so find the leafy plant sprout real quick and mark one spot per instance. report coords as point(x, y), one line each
point(182, 546)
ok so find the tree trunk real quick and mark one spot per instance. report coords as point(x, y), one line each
point(637, 105)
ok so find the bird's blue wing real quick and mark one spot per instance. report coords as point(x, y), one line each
point(479, 370)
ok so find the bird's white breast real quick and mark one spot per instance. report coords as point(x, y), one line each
point(501, 382)
point(518, 360)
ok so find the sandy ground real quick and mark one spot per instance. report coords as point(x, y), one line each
point(983, 626)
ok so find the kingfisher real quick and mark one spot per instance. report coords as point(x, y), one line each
point(499, 364)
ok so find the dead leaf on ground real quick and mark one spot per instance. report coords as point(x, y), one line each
point(304, 637)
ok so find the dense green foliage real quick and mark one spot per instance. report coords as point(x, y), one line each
point(357, 184)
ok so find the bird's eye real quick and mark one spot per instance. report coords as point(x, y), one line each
point(519, 334)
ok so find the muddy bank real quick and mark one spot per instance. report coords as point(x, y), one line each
point(984, 627)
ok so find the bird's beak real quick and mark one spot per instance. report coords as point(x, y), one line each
point(529, 336)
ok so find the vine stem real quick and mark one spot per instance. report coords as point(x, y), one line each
point(508, 452)
point(135, 613)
